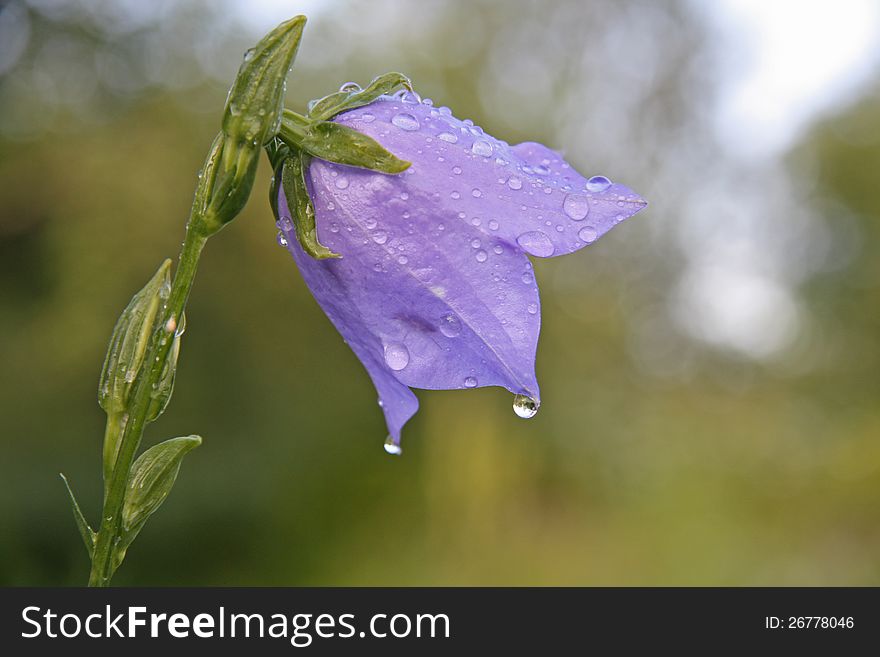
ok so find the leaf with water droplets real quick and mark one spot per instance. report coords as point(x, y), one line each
point(435, 289)
point(343, 101)
point(338, 143)
point(298, 207)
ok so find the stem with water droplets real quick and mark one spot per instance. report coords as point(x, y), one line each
point(138, 405)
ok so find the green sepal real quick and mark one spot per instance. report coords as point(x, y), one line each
point(88, 536)
point(299, 203)
point(160, 395)
point(338, 143)
point(130, 339)
point(151, 479)
point(253, 107)
point(342, 101)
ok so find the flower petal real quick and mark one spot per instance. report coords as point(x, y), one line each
point(526, 195)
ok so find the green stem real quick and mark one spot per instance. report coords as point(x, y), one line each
point(139, 402)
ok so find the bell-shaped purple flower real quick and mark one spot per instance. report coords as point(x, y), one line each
point(434, 288)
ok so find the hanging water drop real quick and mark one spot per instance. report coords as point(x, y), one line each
point(525, 407)
point(281, 239)
point(392, 447)
point(470, 382)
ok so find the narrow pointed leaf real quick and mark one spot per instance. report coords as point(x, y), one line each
point(152, 477)
point(300, 208)
point(88, 536)
point(338, 143)
point(331, 105)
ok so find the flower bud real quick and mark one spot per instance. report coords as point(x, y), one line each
point(256, 99)
point(130, 339)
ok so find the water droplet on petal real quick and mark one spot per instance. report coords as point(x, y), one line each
point(482, 147)
point(450, 326)
point(470, 382)
point(533, 309)
point(456, 170)
point(481, 256)
point(396, 356)
point(448, 137)
point(284, 224)
point(281, 239)
point(380, 237)
point(498, 249)
point(577, 207)
point(536, 243)
point(341, 182)
point(542, 170)
point(514, 183)
point(598, 184)
point(402, 259)
point(366, 117)
point(588, 234)
point(370, 223)
point(475, 243)
point(525, 407)
point(476, 193)
point(392, 447)
point(493, 225)
point(406, 122)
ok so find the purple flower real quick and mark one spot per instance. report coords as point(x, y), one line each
point(435, 288)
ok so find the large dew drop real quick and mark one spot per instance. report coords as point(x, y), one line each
point(392, 447)
point(577, 207)
point(406, 122)
point(450, 326)
point(536, 243)
point(525, 407)
point(588, 234)
point(396, 356)
point(482, 147)
point(598, 184)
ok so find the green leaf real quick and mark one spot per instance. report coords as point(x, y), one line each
point(339, 143)
point(130, 339)
point(300, 205)
point(88, 536)
point(342, 101)
point(253, 107)
point(151, 479)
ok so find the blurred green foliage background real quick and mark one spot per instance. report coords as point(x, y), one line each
point(710, 371)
